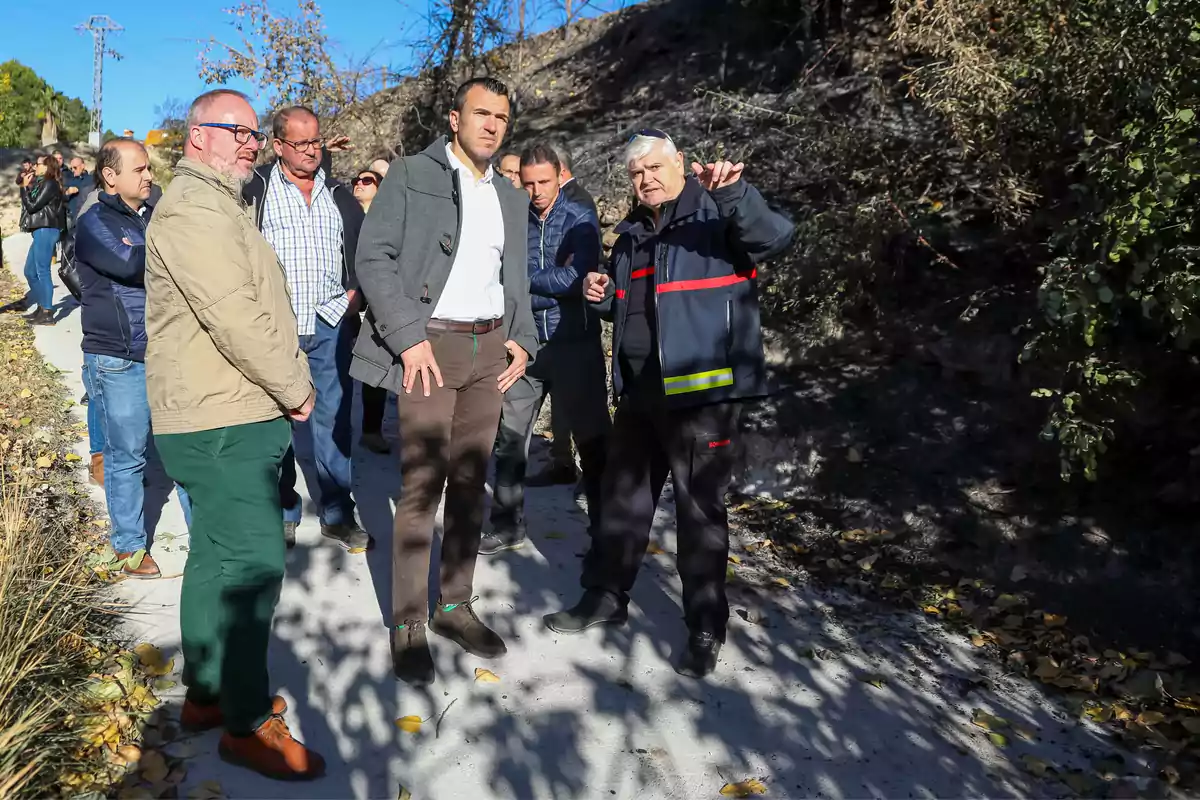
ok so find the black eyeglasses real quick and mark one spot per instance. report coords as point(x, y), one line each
point(305, 146)
point(365, 180)
point(241, 134)
point(653, 133)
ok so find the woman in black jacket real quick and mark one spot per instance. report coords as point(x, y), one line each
point(42, 215)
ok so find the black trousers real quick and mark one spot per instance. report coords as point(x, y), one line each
point(374, 403)
point(696, 446)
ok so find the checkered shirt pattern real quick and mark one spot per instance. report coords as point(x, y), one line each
point(308, 240)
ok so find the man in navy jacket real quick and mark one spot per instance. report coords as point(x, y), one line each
point(564, 245)
point(110, 254)
point(687, 349)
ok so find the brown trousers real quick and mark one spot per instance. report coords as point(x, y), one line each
point(447, 441)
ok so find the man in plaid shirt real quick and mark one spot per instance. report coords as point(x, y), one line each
point(312, 221)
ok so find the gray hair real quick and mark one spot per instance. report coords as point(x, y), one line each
point(640, 147)
point(200, 105)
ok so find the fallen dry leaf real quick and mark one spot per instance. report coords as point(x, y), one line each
point(977, 640)
point(72, 457)
point(209, 790)
point(989, 722)
point(1053, 620)
point(153, 767)
point(153, 659)
point(409, 724)
point(781, 582)
point(744, 788)
point(998, 739)
point(404, 794)
point(26, 394)
point(44, 462)
point(1149, 718)
point(865, 564)
point(1036, 766)
point(735, 559)
point(654, 550)
point(485, 676)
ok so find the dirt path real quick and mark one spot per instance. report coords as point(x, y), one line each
point(822, 696)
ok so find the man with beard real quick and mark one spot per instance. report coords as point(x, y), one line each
point(442, 263)
point(224, 374)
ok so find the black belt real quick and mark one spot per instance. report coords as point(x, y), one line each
point(477, 327)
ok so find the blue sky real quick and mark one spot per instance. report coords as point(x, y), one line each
point(160, 46)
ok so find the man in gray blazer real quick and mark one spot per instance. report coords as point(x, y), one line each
point(442, 264)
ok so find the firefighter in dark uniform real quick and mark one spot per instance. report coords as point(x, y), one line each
point(687, 349)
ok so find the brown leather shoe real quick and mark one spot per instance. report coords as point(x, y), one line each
point(271, 751)
point(459, 623)
point(196, 717)
point(96, 470)
point(145, 568)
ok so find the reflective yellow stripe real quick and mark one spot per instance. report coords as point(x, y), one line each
point(698, 382)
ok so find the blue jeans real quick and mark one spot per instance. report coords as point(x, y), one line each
point(328, 428)
point(37, 267)
point(95, 413)
point(120, 386)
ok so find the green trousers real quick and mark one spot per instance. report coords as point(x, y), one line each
point(235, 565)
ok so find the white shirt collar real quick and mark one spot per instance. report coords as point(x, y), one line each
point(486, 178)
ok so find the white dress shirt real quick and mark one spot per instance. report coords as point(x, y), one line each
point(473, 291)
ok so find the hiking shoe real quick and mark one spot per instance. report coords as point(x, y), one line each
point(411, 660)
point(289, 533)
point(556, 475)
point(499, 541)
point(459, 623)
point(594, 608)
point(139, 565)
point(96, 469)
point(203, 717)
point(375, 443)
point(349, 535)
point(43, 316)
point(272, 751)
point(700, 656)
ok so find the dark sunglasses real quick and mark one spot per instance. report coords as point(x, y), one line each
point(366, 180)
point(653, 133)
point(241, 134)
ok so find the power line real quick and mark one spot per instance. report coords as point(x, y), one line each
point(99, 26)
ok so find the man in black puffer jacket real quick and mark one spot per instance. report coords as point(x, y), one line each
point(564, 245)
point(110, 254)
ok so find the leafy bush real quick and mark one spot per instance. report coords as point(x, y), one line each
point(1092, 105)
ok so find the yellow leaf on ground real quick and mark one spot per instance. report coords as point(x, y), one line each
point(989, 722)
point(877, 681)
point(654, 550)
point(1036, 766)
point(1150, 718)
point(486, 676)
point(409, 724)
point(72, 457)
point(153, 659)
point(354, 551)
point(209, 790)
point(1053, 620)
point(998, 739)
point(25, 393)
point(978, 641)
point(1008, 601)
point(153, 767)
point(404, 794)
point(44, 462)
point(867, 563)
point(735, 559)
point(1028, 734)
point(1046, 669)
point(782, 582)
point(932, 610)
point(745, 788)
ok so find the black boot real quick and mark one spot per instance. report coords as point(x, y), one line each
point(411, 660)
point(700, 656)
point(43, 316)
point(594, 608)
point(15, 307)
point(459, 623)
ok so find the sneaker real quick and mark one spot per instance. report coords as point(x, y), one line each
point(349, 535)
point(594, 608)
point(700, 656)
point(411, 660)
point(204, 717)
point(375, 443)
point(556, 475)
point(459, 623)
point(139, 565)
point(289, 533)
point(499, 541)
point(96, 469)
point(272, 751)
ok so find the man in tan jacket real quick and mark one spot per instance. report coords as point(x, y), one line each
point(224, 372)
